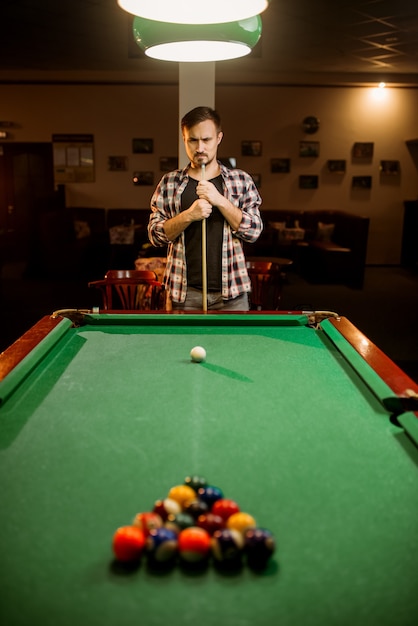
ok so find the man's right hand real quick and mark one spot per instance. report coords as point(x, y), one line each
point(198, 211)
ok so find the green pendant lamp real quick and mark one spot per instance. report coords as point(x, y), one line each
point(187, 12)
point(197, 42)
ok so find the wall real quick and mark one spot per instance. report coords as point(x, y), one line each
point(115, 114)
point(347, 115)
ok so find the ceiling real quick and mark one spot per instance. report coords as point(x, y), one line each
point(303, 42)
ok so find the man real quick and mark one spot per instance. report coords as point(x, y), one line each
point(229, 202)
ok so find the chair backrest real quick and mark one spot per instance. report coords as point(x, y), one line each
point(266, 285)
point(137, 274)
point(131, 290)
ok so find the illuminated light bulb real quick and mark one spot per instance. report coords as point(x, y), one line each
point(197, 42)
point(186, 12)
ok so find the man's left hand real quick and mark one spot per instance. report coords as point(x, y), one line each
point(207, 190)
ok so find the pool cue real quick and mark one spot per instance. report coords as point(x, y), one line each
point(204, 257)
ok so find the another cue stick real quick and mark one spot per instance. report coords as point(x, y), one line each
point(204, 257)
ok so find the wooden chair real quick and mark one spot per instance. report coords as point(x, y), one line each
point(130, 290)
point(266, 283)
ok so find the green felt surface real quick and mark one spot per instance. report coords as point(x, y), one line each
point(276, 417)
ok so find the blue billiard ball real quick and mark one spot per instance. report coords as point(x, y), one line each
point(210, 494)
point(162, 545)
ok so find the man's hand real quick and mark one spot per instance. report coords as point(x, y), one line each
point(207, 191)
point(199, 210)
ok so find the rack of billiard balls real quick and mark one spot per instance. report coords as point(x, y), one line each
point(193, 524)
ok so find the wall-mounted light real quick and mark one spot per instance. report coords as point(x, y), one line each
point(186, 12)
point(197, 42)
point(379, 94)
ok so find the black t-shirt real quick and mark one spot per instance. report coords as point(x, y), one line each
point(193, 241)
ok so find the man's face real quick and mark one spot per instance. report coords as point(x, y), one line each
point(201, 142)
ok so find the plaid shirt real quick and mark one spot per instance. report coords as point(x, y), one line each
point(239, 188)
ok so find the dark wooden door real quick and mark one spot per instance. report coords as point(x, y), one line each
point(26, 190)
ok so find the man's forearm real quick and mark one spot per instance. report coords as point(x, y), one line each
point(176, 225)
point(231, 213)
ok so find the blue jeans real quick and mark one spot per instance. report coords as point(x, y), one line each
point(194, 302)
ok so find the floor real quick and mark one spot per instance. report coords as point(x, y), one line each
point(386, 309)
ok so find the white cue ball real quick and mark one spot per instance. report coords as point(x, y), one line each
point(198, 354)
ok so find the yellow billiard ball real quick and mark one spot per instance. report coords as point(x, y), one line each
point(240, 521)
point(181, 494)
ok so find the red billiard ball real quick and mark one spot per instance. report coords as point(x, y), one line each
point(194, 544)
point(225, 508)
point(147, 521)
point(128, 543)
point(210, 522)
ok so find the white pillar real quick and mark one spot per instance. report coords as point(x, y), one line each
point(196, 88)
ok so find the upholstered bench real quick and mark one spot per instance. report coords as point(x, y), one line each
point(327, 246)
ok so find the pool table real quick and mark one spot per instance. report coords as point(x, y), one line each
point(296, 416)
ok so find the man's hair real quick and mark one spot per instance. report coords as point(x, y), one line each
point(201, 114)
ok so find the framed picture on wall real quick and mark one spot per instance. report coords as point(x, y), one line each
point(280, 166)
point(251, 148)
point(143, 178)
point(309, 148)
point(362, 182)
point(142, 146)
point(308, 181)
point(391, 168)
point(73, 156)
point(336, 166)
point(363, 150)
